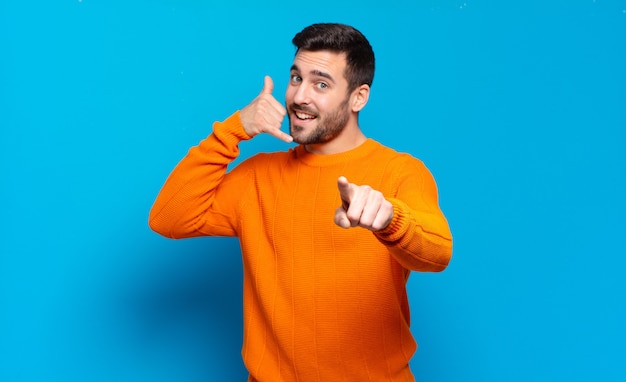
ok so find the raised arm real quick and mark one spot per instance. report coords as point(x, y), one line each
point(180, 209)
point(186, 205)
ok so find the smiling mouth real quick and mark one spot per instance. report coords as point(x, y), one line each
point(304, 116)
point(303, 113)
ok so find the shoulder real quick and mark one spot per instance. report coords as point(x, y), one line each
point(265, 160)
point(397, 160)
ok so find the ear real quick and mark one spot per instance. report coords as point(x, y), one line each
point(360, 96)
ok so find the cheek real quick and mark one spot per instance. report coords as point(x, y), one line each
point(289, 95)
point(325, 103)
point(331, 105)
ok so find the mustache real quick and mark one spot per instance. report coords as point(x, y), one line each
point(304, 109)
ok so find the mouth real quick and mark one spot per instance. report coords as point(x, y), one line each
point(303, 114)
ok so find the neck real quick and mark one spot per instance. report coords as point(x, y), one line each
point(350, 138)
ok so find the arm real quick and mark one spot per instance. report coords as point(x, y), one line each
point(189, 192)
point(418, 235)
point(199, 198)
point(410, 223)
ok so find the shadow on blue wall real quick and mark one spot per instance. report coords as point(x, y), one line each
point(185, 309)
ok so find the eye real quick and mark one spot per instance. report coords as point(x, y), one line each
point(322, 85)
point(295, 79)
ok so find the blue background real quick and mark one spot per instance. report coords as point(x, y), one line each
point(519, 111)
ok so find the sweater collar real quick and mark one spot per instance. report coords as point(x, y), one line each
point(332, 159)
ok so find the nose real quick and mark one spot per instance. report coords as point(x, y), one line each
point(301, 95)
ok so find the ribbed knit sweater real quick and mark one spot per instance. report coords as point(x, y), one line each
point(321, 303)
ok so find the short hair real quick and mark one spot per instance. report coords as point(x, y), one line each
point(341, 38)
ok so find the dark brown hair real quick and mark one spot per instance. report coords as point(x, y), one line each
point(341, 38)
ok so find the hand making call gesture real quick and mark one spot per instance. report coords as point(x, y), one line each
point(362, 206)
point(265, 114)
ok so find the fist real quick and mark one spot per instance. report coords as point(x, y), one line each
point(264, 114)
point(362, 206)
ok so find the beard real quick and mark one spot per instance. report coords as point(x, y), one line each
point(328, 126)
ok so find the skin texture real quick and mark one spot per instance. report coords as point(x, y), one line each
point(323, 116)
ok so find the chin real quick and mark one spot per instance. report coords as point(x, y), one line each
point(298, 134)
point(299, 139)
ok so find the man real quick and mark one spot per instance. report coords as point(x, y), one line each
point(329, 230)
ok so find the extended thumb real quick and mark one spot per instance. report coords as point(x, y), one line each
point(268, 85)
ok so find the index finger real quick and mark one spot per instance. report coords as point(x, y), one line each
point(345, 191)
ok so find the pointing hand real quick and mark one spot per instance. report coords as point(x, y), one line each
point(265, 114)
point(362, 206)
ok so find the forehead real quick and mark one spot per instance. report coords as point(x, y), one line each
point(332, 63)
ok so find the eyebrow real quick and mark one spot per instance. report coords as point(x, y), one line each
point(315, 72)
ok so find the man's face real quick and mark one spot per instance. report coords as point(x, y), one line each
point(317, 97)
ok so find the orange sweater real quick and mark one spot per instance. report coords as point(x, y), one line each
point(321, 303)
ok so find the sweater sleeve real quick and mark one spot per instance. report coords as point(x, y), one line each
point(195, 199)
point(418, 236)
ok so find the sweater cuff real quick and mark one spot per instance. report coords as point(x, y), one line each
point(232, 127)
point(398, 225)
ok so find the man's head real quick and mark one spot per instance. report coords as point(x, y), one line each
point(329, 84)
point(340, 38)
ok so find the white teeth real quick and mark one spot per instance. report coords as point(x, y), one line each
point(304, 116)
